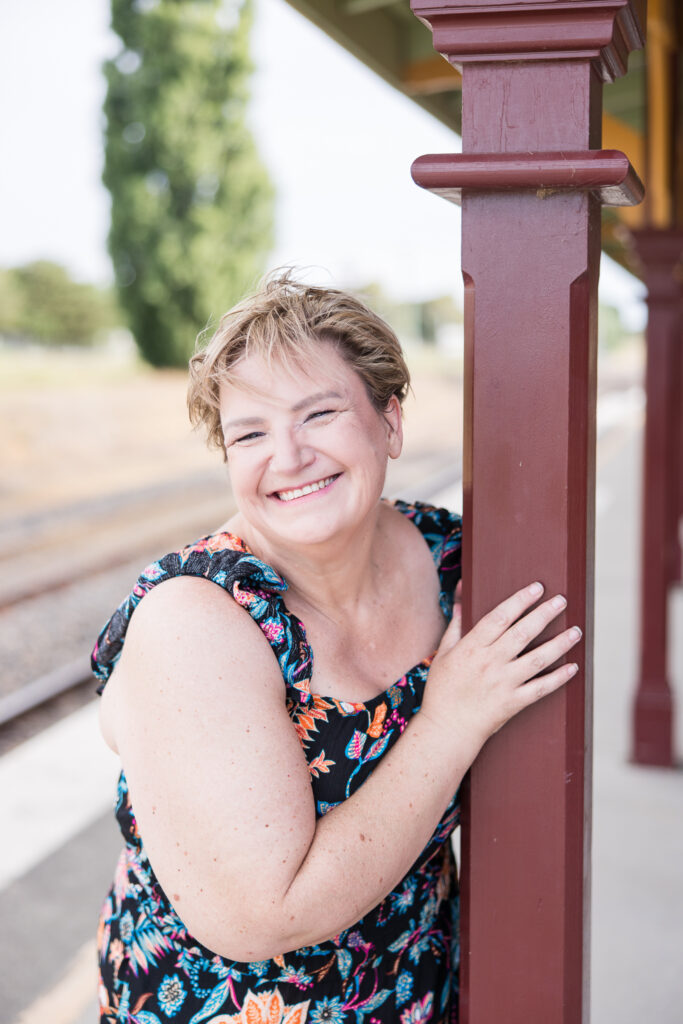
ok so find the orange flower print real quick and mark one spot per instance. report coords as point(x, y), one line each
point(215, 542)
point(266, 1008)
point(121, 882)
point(320, 764)
point(116, 953)
point(305, 717)
point(375, 729)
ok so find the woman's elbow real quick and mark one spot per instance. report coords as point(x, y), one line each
point(248, 937)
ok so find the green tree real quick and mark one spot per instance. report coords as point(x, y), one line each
point(192, 204)
point(11, 303)
point(41, 302)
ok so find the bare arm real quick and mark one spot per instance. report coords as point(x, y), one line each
point(221, 788)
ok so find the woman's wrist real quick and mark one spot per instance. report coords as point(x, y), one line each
point(455, 744)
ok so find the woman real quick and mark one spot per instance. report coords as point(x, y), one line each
point(287, 821)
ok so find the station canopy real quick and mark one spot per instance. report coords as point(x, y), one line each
point(642, 110)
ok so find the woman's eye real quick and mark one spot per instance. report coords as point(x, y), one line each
point(248, 437)
point(319, 413)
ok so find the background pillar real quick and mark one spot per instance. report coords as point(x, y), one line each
point(532, 91)
point(660, 252)
point(676, 454)
point(678, 576)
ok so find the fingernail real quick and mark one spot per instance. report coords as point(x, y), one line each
point(536, 589)
point(575, 633)
point(559, 602)
point(573, 669)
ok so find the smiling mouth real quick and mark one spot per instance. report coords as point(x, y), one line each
point(300, 492)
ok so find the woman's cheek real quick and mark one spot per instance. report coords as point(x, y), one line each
point(243, 470)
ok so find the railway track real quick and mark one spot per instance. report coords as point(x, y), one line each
point(115, 537)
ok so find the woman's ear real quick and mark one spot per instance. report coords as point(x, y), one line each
point(393, 417)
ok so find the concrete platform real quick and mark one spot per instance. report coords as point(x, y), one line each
point(637, 932)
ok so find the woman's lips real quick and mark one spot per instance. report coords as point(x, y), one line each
point(306, 490)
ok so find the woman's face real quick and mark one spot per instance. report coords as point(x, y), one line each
point(307, 450)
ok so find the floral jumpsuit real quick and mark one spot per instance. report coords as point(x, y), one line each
point(399, 963)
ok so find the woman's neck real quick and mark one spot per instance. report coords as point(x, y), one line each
point(335, 578)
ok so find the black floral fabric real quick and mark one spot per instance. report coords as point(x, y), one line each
point(399, 963)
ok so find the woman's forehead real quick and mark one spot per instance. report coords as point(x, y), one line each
point(281, 380)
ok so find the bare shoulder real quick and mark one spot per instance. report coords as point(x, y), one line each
point(405, 544)
point(190, 617)
point(188, 639)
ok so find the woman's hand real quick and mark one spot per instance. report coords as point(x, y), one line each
point(479, 681)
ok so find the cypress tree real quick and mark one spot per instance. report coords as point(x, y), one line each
point(191, 220)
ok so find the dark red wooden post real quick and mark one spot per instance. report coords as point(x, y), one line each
point(676, 448)
point(661, 254)
point(678, 568)
point(675, 486)
point(531, 193)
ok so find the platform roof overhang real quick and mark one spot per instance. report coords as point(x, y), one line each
point(643, 110)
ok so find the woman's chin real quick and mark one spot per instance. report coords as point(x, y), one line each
point(317, 519)
point(306, 530)
point(309, 524)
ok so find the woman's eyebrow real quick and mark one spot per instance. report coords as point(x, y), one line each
point(250, 421)
point(312, 399)
point(246, 421)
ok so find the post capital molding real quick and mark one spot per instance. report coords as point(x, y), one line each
point(601, 31)
point(606, 173)
point(660, 254)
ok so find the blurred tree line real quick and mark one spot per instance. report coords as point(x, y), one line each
point(191, 221)
point(420, 321)
point(41, 302)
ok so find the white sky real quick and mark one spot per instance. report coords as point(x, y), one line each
point(338, 143)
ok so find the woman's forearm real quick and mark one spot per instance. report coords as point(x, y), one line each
point(363, 848)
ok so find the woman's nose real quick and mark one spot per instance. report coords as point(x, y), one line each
point(289, 454)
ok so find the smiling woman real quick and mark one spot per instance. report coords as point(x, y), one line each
point(316, 463)
point(287, 820)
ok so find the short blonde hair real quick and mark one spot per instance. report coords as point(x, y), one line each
point(287, 320)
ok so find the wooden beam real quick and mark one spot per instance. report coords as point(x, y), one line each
point(661, 47)
point(616, 134)
point(431, 75)
point(384, 43)
point(361, 6)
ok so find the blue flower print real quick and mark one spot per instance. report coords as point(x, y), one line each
point(419, 1012)
point(327, 1011)
point(259, 967)
point(418, 947)
point(296, 977)
point(124, 1004)
point(404, 899)
point(126, 927)
point(171, 994)
point(404, 987)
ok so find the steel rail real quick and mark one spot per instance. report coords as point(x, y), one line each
point(51, 685)
point(75, 673)
point(43, 689)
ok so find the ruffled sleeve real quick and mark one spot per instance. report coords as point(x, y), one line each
point(442, 529)
point(226, 561)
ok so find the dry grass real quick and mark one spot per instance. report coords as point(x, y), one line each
point(78, 424)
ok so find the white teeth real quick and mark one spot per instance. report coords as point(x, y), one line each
point(298, 492)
